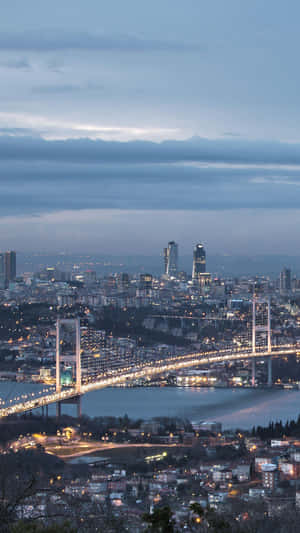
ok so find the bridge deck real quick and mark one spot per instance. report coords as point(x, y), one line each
point(147, 370)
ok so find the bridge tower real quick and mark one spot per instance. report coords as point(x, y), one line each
point(75, 322)
point(266, 327)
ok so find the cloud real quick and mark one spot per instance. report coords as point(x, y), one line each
point(38, 181)
point(52, 128)
point(231, 134)
point(51, 40)
point(40, 176)
point(17, 64)
point(195, 150)
point(54, 65)
point(20, 132)
point(67, 88)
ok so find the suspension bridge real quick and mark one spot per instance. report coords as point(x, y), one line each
point(149, 369)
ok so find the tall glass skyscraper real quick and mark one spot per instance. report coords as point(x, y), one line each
point(199, 261)
point(10, 266)
point(171, 259)
point(2, 271)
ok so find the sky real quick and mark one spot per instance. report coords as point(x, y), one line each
point(124, 125)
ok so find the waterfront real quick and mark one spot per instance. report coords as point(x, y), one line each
point(241, 408)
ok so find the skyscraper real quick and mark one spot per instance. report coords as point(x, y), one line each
point(123, 282)
point(199, 262)
point(2, 271)
point(10, 266)
point(285, 280)
point(146, 283)
point(171, 259)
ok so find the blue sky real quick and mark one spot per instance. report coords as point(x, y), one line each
point(127, 124)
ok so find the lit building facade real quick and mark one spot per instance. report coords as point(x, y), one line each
point(270, 476)
point(199, 262)
point(171, 259)
point(146, 283)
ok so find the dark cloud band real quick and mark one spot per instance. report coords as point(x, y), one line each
point(43, 176)
point(229, 151)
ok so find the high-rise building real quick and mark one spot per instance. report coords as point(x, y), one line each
point(171, 259)
point(10, 266)
point(146, 281)
point(285, 280)
point(199, 261)
point(2, 271)
point(123, 282)
point(166, 259)
point(93, 353)
point(90, 276)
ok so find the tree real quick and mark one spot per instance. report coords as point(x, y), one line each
point(160, 520)
point(209, 520)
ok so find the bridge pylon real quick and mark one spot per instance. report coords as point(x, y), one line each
point(265, 328)
point(76, 358)
point(75, 322)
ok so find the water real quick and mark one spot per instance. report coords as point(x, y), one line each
point(233, 407)
point(241, 408)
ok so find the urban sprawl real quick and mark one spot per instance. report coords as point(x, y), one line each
point(77, 473)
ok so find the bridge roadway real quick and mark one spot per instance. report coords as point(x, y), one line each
point(196, 318)
point(148, 370)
